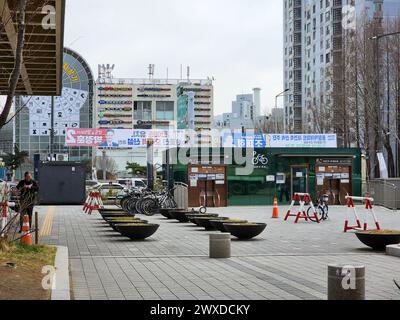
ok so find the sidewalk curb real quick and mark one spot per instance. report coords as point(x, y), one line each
point(393, 250)
point(61, 288)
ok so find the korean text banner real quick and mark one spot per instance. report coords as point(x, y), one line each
point(239, 140)
point(120, 138)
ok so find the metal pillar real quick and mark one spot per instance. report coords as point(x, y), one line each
point(150, 164)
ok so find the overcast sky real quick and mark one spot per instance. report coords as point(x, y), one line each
point(239, 42)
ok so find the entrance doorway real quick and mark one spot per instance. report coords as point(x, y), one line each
point(299, 181)
point(207, 186)
point(334, 178)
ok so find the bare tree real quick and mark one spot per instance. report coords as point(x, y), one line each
point(16, 72)
point(106, 164)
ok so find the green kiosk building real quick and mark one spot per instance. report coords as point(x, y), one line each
point(277, 172)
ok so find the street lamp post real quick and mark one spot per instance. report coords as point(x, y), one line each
point(276, 108)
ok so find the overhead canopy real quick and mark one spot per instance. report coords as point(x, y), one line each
point(41, 72)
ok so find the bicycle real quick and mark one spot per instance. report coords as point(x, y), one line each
point(147, 202)
point(322, 209)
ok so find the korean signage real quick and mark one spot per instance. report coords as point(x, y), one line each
point(238, 140)
point(120, 138)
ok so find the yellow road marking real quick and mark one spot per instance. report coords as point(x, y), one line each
point(47, 226)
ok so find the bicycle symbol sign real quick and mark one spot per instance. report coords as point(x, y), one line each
point(259, 159)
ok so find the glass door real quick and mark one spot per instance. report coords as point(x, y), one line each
point(299, 179)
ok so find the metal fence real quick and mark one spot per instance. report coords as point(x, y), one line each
point(181, 195)
point(386, 193)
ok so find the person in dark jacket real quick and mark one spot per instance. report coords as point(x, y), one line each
point(28, 189)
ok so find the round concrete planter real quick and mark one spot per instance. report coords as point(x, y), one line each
point(179, 215)
point(166, 213)
point(379, 240)
point(245, 231)
point(137, 231)
point(124, 222)
point(107, 211)
point(205, 222)
point(193, 217)
point(117, 216)
point(219, 224)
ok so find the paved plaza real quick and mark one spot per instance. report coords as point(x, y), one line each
point(287, 261)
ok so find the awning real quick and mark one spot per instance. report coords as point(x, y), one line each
point(246, 178)
point(41, 72)
point(311, 155)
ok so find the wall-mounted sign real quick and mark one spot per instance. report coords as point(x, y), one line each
point(67, 110)
point(70, 72)
point(239, 140)
point(334, 162)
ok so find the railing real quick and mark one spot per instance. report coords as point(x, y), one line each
point(385, 193)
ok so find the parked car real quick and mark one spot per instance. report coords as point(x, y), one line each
point(110, 190)
point(90, 184)
point(137, 183)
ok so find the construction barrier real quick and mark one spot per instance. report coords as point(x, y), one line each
point(302, 199)
point(368, 206)
point(93, 202)
point(4, 212)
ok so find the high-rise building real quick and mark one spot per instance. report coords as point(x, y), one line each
point(246, 109)
point(313, 43)
point(7, 138)
point(151, 104)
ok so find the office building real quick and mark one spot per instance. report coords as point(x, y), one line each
point(246, 109)
point(158, 104)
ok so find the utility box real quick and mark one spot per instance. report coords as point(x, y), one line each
point(62, 183)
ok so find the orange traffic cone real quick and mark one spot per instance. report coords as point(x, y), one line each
point(275, 211)
point(26, 235)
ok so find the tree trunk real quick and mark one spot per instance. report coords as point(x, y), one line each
point(17, 64)
point(388, 147)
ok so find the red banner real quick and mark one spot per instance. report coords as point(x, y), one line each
point(85, 137)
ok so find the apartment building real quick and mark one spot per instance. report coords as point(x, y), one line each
point(313, 44)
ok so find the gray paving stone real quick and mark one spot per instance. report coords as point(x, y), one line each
point(287, 261)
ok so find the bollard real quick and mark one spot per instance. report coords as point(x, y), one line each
point(346, 282)
point(36, 228)
point(220, 246)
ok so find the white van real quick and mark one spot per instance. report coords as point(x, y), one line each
point(133, 183)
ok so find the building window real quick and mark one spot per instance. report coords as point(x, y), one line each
point(165, 110)
point(142, 110)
